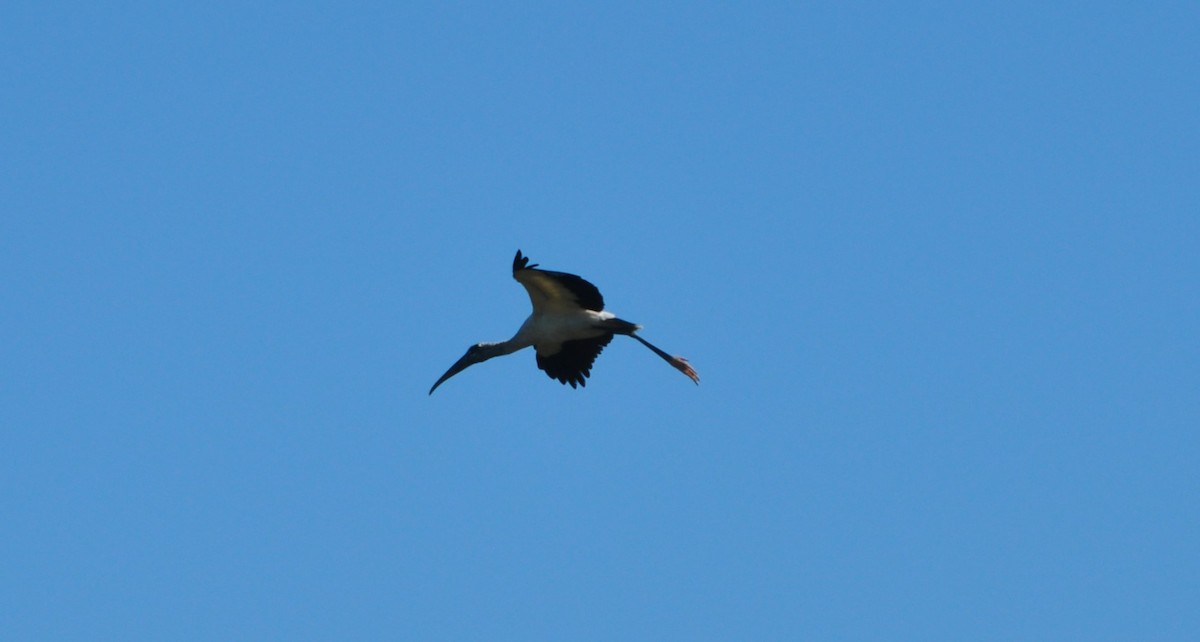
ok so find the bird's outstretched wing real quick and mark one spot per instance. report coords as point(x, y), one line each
point(572, 364)
point(555, 290)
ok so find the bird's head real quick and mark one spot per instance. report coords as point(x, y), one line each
point(475, 354)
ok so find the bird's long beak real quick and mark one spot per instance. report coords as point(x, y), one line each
point(460, 365)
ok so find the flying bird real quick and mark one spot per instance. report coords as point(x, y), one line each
point(568, 328)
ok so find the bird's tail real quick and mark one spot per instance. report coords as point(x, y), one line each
point(620, 326)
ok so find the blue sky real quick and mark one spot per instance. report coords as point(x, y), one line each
point(936, 263)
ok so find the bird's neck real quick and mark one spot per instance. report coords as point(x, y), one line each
point(489, 350)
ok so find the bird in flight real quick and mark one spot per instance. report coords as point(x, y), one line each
point(567, 329)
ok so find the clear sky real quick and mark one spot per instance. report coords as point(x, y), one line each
point(937, 263)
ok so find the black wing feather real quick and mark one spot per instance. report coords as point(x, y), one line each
point(522, 262)
point(572, 364)
point(585, 293)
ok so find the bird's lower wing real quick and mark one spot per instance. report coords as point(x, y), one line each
point(572, 364)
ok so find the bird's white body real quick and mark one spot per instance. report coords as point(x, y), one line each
point(547, 330)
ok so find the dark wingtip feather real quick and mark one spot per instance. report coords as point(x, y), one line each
point(522, 262)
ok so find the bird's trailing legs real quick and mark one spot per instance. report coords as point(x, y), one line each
point(621, 326)
point(679, 363)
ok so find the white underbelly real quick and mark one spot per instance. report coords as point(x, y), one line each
point(547, 332)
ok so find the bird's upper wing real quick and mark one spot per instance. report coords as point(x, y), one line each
point(549, 291)
point(573, 362)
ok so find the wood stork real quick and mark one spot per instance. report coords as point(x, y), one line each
point(568, 328)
